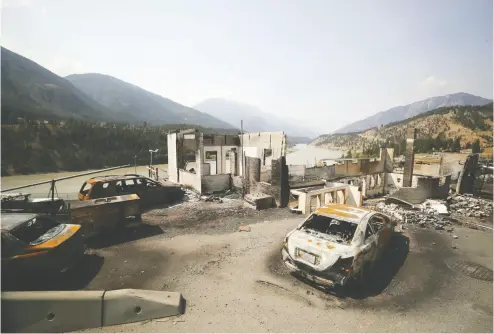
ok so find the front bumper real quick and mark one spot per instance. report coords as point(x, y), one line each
point(328, 279)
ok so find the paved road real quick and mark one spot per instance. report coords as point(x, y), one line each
point(234, 281)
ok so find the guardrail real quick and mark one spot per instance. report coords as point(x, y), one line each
point(156, 173)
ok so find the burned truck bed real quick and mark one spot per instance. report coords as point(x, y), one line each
point(103, 213)
point(94, 216)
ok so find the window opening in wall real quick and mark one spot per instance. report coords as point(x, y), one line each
point(267, 154)
point(398, 180)
point(211, 155)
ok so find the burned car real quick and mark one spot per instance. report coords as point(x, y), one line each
point(25, 204)
point(149, 191)
point(38, 244)
point(337, 243)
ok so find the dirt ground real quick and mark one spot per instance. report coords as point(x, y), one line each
point(235, 281)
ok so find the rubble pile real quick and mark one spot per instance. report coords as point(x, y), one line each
point(212, 198)
point(190, 195)
point(469, 206)
point(427, 217)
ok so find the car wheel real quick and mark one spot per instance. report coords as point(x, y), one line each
point(138, 217)
point(364, 279)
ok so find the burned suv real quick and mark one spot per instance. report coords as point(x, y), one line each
point(149, 191)
point(336, 243)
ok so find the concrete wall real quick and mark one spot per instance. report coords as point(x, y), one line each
point(325, 172)
point(452, 164)
point(311, 199)
point(348, 167)
point(426, 187)
point(368, 185)
point(353, 167)
point(236, 181)
point(395, 180)
point(426, 169)
point(221, 140)
point(255, 145)
point(411, 195)
point(252, 174)
point(190, 165)
point(215, 183)
point(190, 179)
point(409, 158)
point(266, 176)
point(276, 141)
point(172, 157)
point(296, 170)
point(218, 166)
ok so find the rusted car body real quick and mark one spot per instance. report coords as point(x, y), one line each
point(337, 243)
point(37, 244)
point(102, 214)
point(149, 191)
point(94, 216)
point(23, 203)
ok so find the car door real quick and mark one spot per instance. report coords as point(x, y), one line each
point(122, 188)
point(154, 192)
point(384, 230)
point(369, 249)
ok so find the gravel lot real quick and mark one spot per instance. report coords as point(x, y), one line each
point(235, 282)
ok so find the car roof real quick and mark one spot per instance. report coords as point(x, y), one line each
point(108, 178)
point(12, 220)
point(347, 212)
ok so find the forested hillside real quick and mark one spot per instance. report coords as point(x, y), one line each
point(76, 145)
point(443, 129)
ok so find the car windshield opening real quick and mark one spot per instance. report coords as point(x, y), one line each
point(33, 230)
point(336, 229)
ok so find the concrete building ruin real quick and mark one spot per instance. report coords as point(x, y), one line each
point(338, 180)
point(255, 164)
point(209, 163)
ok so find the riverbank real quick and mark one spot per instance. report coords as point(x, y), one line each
point(66, 189)
point(309, 155)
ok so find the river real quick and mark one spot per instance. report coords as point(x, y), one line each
point(66, 189)
point(308, 155)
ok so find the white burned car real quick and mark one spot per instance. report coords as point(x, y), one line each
point(336, 243)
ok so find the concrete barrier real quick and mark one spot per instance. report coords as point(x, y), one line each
point(63, 311)
point(51, 311)
point(129, 305)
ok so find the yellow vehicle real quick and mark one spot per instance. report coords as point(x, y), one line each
point(149, 191)
point(38, 244)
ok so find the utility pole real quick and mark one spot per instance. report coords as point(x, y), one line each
point(242, 156)
point(151, 161)
point(135, 164)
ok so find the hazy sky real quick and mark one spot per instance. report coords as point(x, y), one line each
point(327, 62)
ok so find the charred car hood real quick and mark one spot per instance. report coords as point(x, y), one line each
point(328, 252)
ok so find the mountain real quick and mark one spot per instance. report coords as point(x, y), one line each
point(255, 120)
point(436, 129)
point(403, 112)
point(31, 90)
point(122, 97)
